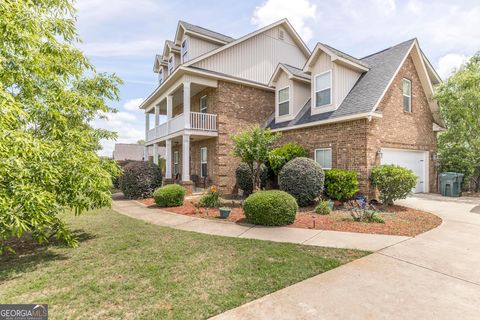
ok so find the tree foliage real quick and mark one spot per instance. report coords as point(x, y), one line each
point(459, 101)
point(252, 147)
point(281, 155)
point(49, 95)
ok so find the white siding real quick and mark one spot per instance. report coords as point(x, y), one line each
point(199, 47)
point(343, 80)
point(256, 58)
point(299, 95)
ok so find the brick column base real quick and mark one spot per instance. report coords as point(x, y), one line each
point(188, 185)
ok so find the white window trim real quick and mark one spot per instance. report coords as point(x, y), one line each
point(410, 96)
point(323, 149)
point(277, 98)
point(204, 98)
point(171, 66)
point(176, 157)
point(184, 53)
point(160, 76)
point(202, 162)
point(315, 88)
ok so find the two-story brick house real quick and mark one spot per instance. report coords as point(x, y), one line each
point(349, 113)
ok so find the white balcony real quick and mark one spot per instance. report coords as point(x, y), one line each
point(198, 123)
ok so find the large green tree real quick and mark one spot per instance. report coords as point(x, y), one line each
point(459, 100)
point(49, 95)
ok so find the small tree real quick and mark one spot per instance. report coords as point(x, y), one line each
point(252, 147)
point(393, 182)
point(459, 101)
point(281, 155)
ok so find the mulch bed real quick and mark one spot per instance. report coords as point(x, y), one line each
point(401, 221)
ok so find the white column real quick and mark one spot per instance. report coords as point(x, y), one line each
point(157, 115)
point(186, 104)
point(186, 158)
point(169, 111)
point(155, 153)
point(145, 153)
point(168, 159)
point(147, 125)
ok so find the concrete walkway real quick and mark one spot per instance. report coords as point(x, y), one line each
point(337, 239)
point(435, 275)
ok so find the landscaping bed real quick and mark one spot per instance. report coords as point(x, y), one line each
point(401, 221)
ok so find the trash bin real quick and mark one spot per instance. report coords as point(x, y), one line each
point(451, 184)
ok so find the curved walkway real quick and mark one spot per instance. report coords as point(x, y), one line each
point(435, 275)
point(324, 238)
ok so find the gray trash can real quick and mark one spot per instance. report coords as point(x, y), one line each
point(451, 184)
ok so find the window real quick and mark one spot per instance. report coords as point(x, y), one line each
point(323, 89)
point(203, 162)
point(184, 51)
point(283, 101)
point(175, 163)
point(203, 104)
point(407, 95)
point(171, 64)
point(324, 157)
point(160, 76)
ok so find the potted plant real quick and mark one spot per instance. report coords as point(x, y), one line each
point(224, 212)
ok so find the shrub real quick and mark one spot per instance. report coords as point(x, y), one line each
point(361, 211)
point(303, 179)
point(171, 195)
point(140, 179)
point(116, 180)
point(270, 208)
point(323, 207)
point(341, 184)
point(243, 175)
point(210, 198)
point(278, 157)
point(393, 182)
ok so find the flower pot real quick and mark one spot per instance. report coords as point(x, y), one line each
point(224, 212)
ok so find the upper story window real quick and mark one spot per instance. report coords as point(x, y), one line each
point(184, 51)
point(284, 101)
point(171, 64)
point(324, 157)
point(323, 89)
point(407, 95)
point(203, 104)
point(160, 76)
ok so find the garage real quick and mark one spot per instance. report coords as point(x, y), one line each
point(417, 161)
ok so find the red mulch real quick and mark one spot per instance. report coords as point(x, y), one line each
point(399, 220)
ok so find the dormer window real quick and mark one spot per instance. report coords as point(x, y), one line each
point(407, 95)
point(284, 101)
point(160, 76)
point(184, 50)
point(323, 89)
point(171, 64)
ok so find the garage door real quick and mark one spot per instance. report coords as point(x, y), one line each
point(413, 160)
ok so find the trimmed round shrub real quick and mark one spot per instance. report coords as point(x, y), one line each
point(243, 175)
point(171, 195)
point(116, 180)
point(278, 157)
point(341, 184)
point(270, 208)
point(140, 179)
point(393, 182)
point(303, 178)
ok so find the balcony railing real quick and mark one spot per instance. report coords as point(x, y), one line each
point(198, 121)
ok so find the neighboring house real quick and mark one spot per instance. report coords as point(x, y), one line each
point(134, 151)
point(349, 113)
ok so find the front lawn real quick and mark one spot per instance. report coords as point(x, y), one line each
point(126, 268)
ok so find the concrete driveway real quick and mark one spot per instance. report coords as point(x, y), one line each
point(435, 275)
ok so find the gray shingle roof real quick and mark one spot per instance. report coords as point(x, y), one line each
point(296, 71)
point(172, 45)
point(206, 32)
point(365, 93)
point(346, 56)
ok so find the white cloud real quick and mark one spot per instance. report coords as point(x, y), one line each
point(298, 12)
point(450, 63)
point(133, 104)
point(415, 7)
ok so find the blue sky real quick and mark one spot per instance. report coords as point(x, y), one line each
point(123, 36)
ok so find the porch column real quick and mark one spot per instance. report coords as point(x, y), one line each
point(169, 111)
point(186, 158)
point(145, 153)
point(186, 104)
point(157, 115)
point(147, 125)
point(168, 159)
point(155, 153)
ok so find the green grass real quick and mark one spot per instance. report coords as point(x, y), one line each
point(126, 268)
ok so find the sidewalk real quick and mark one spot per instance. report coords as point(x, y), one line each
point(336, 239)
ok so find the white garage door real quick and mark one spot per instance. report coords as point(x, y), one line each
point(413, 160)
